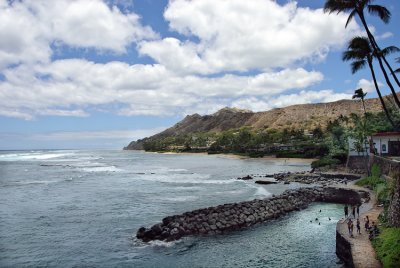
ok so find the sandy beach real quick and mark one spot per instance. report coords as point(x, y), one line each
point(235, 156)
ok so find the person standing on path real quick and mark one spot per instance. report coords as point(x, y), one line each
point(358, 210)
point(346, 211)
point(354, 211)
point(366, 223)
point(358, 226)
point(350, 227)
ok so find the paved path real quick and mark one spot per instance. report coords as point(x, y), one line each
point(363, 253)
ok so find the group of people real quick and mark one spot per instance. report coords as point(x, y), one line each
point(354, 208)
point(372, 229)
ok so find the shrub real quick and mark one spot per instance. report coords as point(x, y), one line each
point(325, 161)
point(387, 246)
point(370, 181)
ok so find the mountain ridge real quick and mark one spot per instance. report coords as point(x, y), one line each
point(299, 116)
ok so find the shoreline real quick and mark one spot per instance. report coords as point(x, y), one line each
point(236, 156)
point(357, 251)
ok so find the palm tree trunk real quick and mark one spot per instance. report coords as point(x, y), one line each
point(386, 62)
point(365, 111)
point(378, 56)
point(371, 67)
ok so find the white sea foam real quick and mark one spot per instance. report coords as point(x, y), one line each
point(177, 170)
point(33, 182)
point(164, 244)
point(185, 178)
point(32, 156)
point(262, 192)
point(180, 198)
point(101, 169)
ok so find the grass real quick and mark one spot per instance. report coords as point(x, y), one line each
point(387, 247)
point(370, 181)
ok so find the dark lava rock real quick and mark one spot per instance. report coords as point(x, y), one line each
point(266, 182)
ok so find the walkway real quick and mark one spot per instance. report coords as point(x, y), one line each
point(363, 253)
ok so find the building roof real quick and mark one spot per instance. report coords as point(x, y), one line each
point(384, 134)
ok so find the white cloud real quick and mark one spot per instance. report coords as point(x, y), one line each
point(385, 35)
point(236, 35)
point(69, 87)
point(368, 86)
point(251, 57)
point(29, 27)
point(263, 104)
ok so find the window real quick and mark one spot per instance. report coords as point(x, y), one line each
point(383, 147)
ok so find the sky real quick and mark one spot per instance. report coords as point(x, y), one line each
point(101, 73)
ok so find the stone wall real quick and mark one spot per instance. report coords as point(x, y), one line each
point(357, 163)
point(235, 216)
point(388, 167)
point(394, 207)
point(343, 250)
point(392, 169)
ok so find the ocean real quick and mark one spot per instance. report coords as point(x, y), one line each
point(82, 208)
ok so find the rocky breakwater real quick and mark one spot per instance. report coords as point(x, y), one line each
point(235, 216)
point(315, 178)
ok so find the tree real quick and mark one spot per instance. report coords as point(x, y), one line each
point(359, 94)
point(361, 53)
point(356, 7)
point(360, 127)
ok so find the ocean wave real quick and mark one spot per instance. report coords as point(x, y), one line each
point(185, 178)
point(177, 170)
point(32, 156)
point(261, 192)
point(21, 183)
point(155, 243)
point(179, 198)
point(101, 169)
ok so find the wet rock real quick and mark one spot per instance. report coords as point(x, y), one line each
point(229, 217)
point(266, 182)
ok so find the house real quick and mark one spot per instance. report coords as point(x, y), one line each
point(385, 144)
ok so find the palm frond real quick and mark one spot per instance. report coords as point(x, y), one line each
point(338, 6)
point(351, 16)
point(359, 94)
point(389, 50)
point(357, 65)
point(382, 12)
point(352, 55)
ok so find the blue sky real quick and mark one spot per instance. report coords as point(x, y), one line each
point(98, 74)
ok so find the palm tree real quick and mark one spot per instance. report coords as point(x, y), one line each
point(359, 94)
point(356, 7)
point(361, 53)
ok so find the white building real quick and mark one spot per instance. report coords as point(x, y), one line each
point(385, 144)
